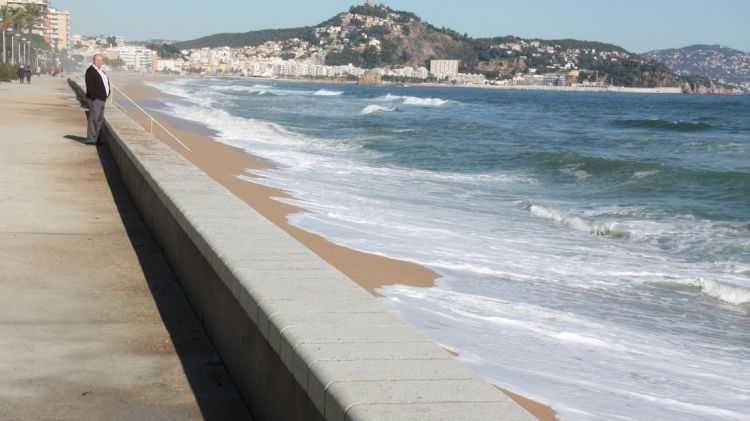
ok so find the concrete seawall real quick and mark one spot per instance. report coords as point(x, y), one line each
point(300, 339)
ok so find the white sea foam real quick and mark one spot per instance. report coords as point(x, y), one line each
point(729, 293)
point(644, 174)
point(413, 100)
point(179, 89)
point(324, 92)
point(607, 229)
point(575, 171)
point(373, 108)
point(390, 97)
point(243, 88)
point(426, 102)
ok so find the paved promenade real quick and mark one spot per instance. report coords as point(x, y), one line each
point(92, 323)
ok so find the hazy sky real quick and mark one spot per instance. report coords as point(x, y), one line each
point(637, 25)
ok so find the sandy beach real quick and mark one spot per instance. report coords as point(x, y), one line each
point(226, 163)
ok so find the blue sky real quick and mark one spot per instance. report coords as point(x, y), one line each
point(637, 25)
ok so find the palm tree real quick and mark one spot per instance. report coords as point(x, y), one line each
point(7, 14)
point(10, 18)
point(32, 13)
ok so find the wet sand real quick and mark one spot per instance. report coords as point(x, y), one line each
point(226, 164)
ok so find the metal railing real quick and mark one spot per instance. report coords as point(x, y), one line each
point(188, 153)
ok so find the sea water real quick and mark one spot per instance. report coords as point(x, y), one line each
point(593, 248)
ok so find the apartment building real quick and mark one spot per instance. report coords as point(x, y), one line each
point(59, 24)
point(137, 58)
point(12, 3)
point(444, 68)
point(54, 27)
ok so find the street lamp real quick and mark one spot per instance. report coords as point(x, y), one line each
point(5, 55)
point(22, 50)
point(1, 25)
point(28, 52)
point(12, 50)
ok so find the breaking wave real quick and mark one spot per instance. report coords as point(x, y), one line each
point(413, 100)
point(373, 108)
point(600, 228)
point(732, 294)
point(324, 92)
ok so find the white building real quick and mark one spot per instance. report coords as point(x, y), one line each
point(168, 65)
point(442, 69)
point(471, 79)
point(410, 72)
point(137, 58)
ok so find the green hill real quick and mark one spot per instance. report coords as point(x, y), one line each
point(252, 38)
point(720, 64)
point(379, 36)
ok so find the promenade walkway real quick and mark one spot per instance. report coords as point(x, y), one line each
point(92, 322)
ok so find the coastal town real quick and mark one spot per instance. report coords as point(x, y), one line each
point(367, 44)
point(300, 58)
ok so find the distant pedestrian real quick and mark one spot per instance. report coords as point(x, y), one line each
point(97, 92)
point(28, 75)
point(21, 73)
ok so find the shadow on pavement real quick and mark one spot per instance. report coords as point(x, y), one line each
point(78, 139)
point(214, 390)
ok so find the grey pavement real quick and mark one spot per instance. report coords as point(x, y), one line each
point(92, 322)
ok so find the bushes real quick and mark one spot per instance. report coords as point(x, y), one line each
point(8, 72)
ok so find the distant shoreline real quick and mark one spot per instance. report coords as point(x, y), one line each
point(609, 89)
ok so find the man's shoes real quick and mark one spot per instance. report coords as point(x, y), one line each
point(90, 142)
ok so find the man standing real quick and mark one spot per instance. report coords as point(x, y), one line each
point(97, 92)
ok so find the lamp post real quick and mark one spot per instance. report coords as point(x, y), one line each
point(1, 25)
point(28, 52)
point(22, 51)
point(5, 54)
point(12, 49)
point(18, 48)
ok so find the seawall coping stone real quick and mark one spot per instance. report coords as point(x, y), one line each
point(475, 411)
point(343, 395)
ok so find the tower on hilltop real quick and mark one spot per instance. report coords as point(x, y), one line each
point(370, 4)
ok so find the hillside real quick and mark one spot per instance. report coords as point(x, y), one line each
point(721, 64)
point(377, 36)
point(243, 39)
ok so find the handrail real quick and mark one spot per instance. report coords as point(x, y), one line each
point(188, 152)
point(152, 121)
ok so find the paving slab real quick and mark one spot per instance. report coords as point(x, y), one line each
point(93, 324)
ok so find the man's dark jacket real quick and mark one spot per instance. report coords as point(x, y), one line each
point(95, 85)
